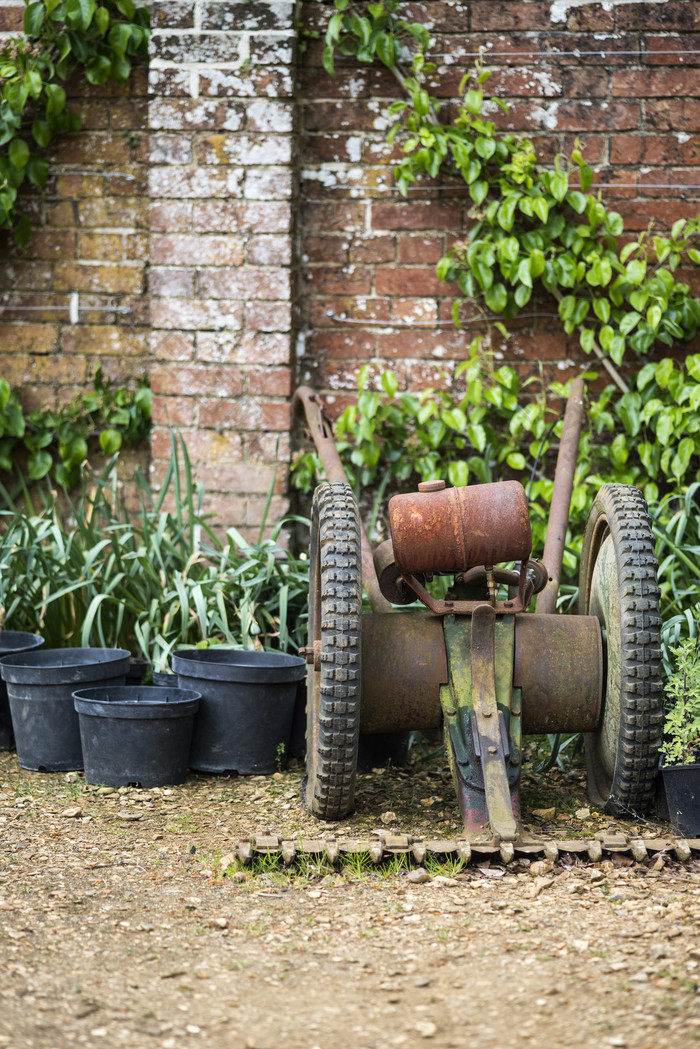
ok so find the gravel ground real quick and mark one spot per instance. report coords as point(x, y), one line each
point(125, 921)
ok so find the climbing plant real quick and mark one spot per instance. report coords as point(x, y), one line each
point(539, 229)
point(56, 441)
point(60, 37)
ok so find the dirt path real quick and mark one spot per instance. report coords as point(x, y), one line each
point(117, 928)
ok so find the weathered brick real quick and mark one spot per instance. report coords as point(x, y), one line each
point(173, 411)
point(103, 339)
point(197, 250)
point(172, 346)
point(409, 280)
point(274, 14)
point(271, 382)
point(202, 315)
point(268, 316)
point(415, 216)
point(101, 246)
point(194, 379)
point(169, 281)
point(269, 250)
point(678, 114)
point(106, 277)
point(260, 149)
point(510, 16)
point(266, 282)
point(171, 216)
point(28, 338)
point(345, 280)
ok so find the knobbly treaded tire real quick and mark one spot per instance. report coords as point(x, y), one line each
point(618, 584)
point(333, 684)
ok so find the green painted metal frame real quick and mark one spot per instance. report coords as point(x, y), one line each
point(483, 722)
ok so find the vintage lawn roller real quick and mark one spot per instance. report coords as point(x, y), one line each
point(477, 661)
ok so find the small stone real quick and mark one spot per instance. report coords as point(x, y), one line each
point(596, 875)
point(617, 1040)
point(544, 814)
point(388, 817)
point(418, 876)
point(423, 982)
point(192, 1029)
point(73, 812)
point(582, 814)
point(125, 815)
point(539, 885)
point(540, 867)
point(219, 923)
point(426, 1028)
point(71, 777)
point(314, 894)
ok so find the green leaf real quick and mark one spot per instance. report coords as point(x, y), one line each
point(635, 271)
point(38, 171)
point(477, 435)
point(587, 339)
point(665, 428)
point(663, 372)
point(38, 465)
point(4, 393)
point(458, 474)
point(79, 13)
point(33, 82)
point(110, 442)
point(567, 307)
point(56, 97)
point(614, 223)
point(34, 19)
point(102, 20)
point(19, 152)
point(516, 460)
point(577, 201)
point(22, 232)
point(496, 298)
point(389, 383)
point(540, 208)
point(601, 308)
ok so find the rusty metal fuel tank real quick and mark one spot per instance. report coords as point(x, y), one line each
point(439, 529)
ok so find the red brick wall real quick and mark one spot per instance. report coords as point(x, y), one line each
point(75, 299)
point(175, 214)
point(370, 291)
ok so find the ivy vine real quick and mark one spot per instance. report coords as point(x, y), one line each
point(540, 229)
point(60, 36)
point(56, 441)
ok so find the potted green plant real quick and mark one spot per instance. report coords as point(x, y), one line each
point(680, 763)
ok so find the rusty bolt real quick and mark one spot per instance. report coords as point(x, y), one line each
point(493, 750)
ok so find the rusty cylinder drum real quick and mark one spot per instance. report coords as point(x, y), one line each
point(454, 529)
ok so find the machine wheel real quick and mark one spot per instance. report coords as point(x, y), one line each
point(333, 685)
point(618, 584)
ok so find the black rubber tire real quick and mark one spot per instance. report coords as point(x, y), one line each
point(333, 686)
point(618, 584)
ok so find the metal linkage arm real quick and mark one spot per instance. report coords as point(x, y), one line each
point(307, 404)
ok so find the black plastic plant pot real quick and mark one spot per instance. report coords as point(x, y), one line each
point(244, 722)
point(136, 734)
point(40, 687)
point(11, 642)
point(681, 788)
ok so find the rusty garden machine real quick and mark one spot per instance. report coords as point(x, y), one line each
point(476, 661)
